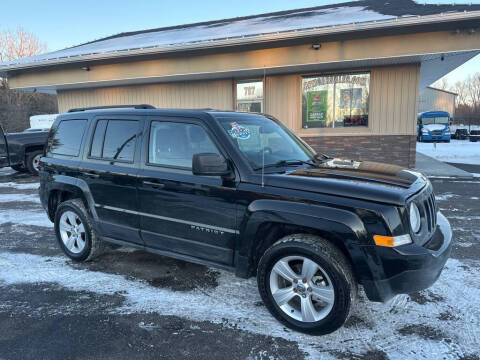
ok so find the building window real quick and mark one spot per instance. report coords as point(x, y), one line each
point(334, 101)
point(250, 96)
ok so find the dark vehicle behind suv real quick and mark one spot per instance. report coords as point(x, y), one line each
point(241, 192)
point(460, 134)
point(22, 151)
point(474, 135)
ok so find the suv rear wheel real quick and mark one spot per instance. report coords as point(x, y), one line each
point(307, 284)
point(75, 233)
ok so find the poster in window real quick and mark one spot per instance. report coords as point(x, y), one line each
point(317, 106)
point(351, 98)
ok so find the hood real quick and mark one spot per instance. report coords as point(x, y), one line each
point(432, 127)
point(364, 180)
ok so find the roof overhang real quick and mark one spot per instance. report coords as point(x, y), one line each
point(433, 67)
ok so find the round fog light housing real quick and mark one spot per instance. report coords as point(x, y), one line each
point(414, 218)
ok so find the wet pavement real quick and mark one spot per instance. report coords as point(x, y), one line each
point(131, 304)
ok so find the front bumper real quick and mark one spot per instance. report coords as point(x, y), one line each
point(408, 268)
point(435, 137)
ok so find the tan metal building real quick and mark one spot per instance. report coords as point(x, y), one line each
point(345, 77)
point(432, 99)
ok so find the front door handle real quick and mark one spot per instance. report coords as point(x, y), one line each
point(154, 185)
point(91, 175)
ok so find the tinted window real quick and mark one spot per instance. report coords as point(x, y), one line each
point(120, 139)
point(174, 144)
point(97, 142)
point(67, 137)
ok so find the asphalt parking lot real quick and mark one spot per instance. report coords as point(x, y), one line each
point(130, 304)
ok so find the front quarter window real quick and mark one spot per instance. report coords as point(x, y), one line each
point(263, 140)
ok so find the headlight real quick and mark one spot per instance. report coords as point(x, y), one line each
point(414, 218)
point(424, 131)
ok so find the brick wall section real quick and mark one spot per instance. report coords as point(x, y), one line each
point(390, 149)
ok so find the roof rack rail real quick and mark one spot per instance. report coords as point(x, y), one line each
point(139, 106)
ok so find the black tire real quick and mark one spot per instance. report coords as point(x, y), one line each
point(19, 168)
point(93, 245)
point(30, 159)
point(332, 261)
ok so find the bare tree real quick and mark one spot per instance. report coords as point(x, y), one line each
point(461, 89)
point(443, 84)
point(473, 87)
point(16, 44)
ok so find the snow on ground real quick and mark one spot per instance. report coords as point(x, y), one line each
point(457, 151)
point(415, 328)
point(21, 186)
point(7, 171)
point(4, 198)
point(25, 217)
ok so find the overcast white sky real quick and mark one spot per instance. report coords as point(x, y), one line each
point(62, 23)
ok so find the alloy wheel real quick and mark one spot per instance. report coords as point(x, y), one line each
point(302, 288)
point(72, 232)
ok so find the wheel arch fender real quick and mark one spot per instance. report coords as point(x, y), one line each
point(343, 225)
point(75, 186)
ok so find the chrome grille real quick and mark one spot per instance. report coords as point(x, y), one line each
point(437, 132)
point(427, 206)
point(430, 212)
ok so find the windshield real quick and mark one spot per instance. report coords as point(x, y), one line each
point(261, 138)
point(435, 120)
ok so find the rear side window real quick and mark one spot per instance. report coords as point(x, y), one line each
point(114, 140)
point(67, 137)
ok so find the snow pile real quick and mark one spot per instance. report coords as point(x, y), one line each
point(457, 151)
point(439, 323)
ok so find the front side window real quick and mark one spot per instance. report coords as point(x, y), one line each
point(174, 144)
point(265, 141)
point(114, 140)
point(67, 137)
point(250, 96)
point(335, 100)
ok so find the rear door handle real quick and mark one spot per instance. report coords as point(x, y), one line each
point(154, 185)
point(91, 175)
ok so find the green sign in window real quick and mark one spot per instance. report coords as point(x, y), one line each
point(317, 106)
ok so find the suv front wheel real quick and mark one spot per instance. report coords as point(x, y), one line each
point(75, 233)
point(307, 284)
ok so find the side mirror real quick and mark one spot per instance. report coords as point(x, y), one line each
point(209, 164)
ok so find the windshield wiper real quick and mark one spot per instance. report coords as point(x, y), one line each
point(285, 163)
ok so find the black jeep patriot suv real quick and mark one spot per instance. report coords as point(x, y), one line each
point(241, 192)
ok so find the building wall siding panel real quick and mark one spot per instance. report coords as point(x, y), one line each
point(214, 94)
point(432, 99)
